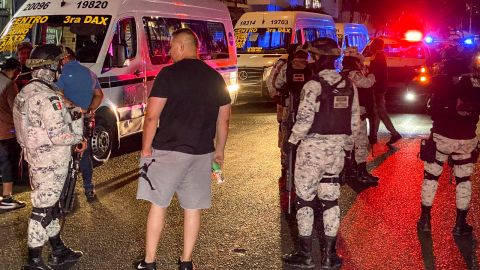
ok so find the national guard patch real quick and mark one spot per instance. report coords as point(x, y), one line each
point(57, 105)
point(340, 102)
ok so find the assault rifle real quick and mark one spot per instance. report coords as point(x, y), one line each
point(67, 196)
point(291, 150)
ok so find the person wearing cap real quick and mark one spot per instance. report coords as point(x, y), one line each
point(378, 67)
point(80, 86)
point(23, 53)
point(9, 148)
point(327, 117)
point(47, 131)
point(353, 67)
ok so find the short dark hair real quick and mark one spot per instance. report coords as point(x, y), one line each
point(70, 53)
point(188, 32)
point(11, 64)
point(377, 45)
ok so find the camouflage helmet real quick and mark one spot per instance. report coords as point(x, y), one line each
point(324, 46)
point(46, 56)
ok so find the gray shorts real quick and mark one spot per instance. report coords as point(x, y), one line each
point(169, 172)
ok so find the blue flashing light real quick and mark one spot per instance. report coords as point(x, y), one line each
point(428, 39)
point(468, 41)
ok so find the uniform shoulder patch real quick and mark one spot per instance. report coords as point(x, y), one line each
point(55, 101)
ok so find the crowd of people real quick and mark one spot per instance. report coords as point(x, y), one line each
point(323, 113)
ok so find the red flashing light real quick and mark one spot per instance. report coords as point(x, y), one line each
point(413, 35)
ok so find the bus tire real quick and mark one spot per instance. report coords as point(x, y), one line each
point(103, 141)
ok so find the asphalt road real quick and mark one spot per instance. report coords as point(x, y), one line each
point(246, 228)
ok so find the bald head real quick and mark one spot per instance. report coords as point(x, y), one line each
point(184, 44)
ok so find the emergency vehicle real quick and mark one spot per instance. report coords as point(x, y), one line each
point(264, 37)
point(126, 43)
point(408, 64)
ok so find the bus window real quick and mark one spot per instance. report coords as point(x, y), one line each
point(212, 37)
point(310, 34)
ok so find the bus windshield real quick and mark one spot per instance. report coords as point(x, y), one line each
point(82, 33)
point(263, 40)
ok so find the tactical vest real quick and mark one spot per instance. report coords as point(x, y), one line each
point(296, 79)
point(335, 112)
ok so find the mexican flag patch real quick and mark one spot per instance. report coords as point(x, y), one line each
point(57, 105)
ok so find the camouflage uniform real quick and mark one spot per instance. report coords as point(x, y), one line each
point(459, 150)
point(277, 80)
point(46, 133)
point(361, 140)
point(320, 157)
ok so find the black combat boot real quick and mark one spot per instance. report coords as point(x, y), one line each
point(301, 258)
point(462, 228)
point(60, 253)
point(364, 176)
point(35, 261)
point(423, 223)
point(330, 259)
point(185, 265)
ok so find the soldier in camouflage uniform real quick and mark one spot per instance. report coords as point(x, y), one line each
point(455, 112)
point(46, 133)
point(327, 117)
point(353, 65)
point(277, 88)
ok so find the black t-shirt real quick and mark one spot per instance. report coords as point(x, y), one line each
point(378, 66)
point(194, 93)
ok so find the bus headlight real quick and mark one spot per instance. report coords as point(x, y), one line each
point(233, 82)
point(233, 87)
point(266, 73)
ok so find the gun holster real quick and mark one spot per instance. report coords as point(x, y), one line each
point(428, 150)
point(51, 213)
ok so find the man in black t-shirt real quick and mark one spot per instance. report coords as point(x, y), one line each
point(190, 103)
point(378, 67)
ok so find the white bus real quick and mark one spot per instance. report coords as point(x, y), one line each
point(126, 43)
point(264, 37)
point(352, 34)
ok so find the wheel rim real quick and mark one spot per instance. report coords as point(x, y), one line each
point(100, 142)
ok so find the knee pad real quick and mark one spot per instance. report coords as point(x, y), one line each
point(328, 204)
point(332, 180)
point(429, 176)
point(461, 162)
point(51, 213)
point(460, 180)
point(301, 203)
